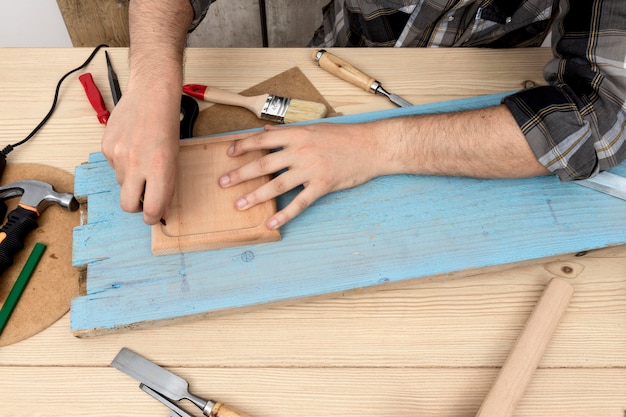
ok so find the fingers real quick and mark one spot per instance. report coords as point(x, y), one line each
point(281, 184)
point(300, 202)
point(262, 141)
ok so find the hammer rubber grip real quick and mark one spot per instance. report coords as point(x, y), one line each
point(20, 222)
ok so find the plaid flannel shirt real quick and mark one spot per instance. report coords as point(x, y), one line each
point(576, 125)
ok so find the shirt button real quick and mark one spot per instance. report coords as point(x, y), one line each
point(508, 19)
point(450, 18)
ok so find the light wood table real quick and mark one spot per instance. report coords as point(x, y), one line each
point(431, 347)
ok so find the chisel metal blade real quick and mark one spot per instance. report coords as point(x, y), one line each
point(394, 98)
point(607, 183)
point(159, 379)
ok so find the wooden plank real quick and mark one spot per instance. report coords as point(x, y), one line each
point(203, 215)
point(90, 23)
point(391, 229)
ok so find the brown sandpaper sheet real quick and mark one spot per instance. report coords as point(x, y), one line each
point(220, 118)
point(54, 282)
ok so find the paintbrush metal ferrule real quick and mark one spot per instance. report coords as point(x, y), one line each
point(275, 108)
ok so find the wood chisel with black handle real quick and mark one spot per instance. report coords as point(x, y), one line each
point(354, 76)
point(167, 384)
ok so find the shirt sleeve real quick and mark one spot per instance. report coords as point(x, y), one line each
point(200, 8)
point(576, 125)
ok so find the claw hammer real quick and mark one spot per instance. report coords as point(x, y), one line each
point(36, 197)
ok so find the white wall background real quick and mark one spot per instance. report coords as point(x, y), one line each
point(32, 23)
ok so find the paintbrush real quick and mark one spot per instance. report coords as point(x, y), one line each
point(265, 106)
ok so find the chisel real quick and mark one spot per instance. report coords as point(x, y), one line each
point(354, 76)
point(167, 384)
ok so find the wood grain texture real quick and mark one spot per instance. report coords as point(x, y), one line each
point(203, 215)
point(425, 347)
point(516, 373)
point(95, 22)
point(228, 24)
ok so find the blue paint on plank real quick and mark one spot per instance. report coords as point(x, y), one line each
point(391, 229)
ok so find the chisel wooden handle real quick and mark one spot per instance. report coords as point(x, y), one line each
point(345, 71)
point(521, 363)
point(222, 410)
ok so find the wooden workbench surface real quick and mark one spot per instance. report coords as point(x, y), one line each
point(431, 347)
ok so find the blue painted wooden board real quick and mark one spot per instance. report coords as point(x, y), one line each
point(391, 229)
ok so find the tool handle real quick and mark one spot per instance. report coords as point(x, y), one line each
point(189, 112)
point(215, 95)
point(523, 359)
point(222, 410)
point(95, 98)
point(343, 70)
point(12, 235)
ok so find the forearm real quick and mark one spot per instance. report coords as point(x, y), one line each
point(485, 143)
point(158, 31)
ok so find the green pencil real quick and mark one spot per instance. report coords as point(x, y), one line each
point(20, 284)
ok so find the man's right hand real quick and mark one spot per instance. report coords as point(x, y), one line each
point(141, 143)
point(141, 139)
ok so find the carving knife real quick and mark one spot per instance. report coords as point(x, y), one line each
point(354, 76)
point(166, 383)
point(607, 183)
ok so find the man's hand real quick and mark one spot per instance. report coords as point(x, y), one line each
point(327, 157)
point(141, 144)
point(142, 135)
point(321, 157)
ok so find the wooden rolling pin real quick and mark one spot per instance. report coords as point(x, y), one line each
point(521, 363)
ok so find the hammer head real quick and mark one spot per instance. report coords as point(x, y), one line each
point(39, 195)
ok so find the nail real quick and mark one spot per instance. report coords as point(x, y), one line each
point(241, 203)
point(231, 150)
point(272, 224)
point(224, 180)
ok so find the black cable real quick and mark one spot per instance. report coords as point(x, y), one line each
point(4, 152)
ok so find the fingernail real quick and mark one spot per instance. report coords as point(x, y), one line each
point(272, 224)
point(224, 180)
point(231, 150)
point(241, 203)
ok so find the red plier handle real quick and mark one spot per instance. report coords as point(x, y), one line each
point(95, 98)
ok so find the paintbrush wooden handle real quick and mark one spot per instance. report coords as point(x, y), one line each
point(343, 70)
point(216, 95)
point(521, 363)
point(222, 410)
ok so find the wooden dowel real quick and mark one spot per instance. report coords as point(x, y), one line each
point(521, 363)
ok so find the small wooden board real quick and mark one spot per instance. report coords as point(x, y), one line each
point(203, 215)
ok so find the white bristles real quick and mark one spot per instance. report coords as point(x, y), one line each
point(302, 111)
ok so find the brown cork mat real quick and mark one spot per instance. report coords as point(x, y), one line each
point(221, 118)
point(54, 282)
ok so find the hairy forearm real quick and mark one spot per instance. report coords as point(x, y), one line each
point(158, 31)
point(485, 143)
